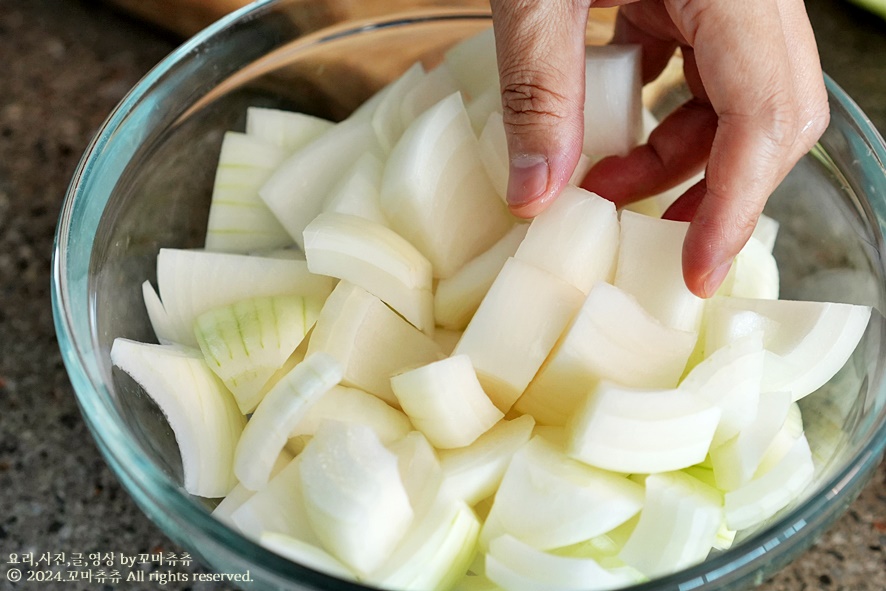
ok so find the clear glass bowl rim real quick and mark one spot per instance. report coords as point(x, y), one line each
point(158, 495)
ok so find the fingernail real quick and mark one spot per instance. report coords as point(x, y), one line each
point(716, 277)
point(528, 179)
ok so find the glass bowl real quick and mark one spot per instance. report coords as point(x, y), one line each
point(145, 182)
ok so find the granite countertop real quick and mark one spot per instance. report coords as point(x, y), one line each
point(63, 67)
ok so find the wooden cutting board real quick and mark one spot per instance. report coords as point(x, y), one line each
point(186, 17)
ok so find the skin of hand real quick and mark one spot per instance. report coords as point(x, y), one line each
point(758, 105)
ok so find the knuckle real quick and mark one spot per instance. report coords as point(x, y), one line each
point(792, 128)
point(693, 13)
point(779, 119)
point(818, 117)
point(528, 100)
point(774, 122)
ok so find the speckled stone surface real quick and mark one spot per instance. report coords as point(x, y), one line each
point(64, 64)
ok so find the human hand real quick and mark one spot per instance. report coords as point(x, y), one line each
point(758, 104)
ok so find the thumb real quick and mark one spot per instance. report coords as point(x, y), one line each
point(541, 49)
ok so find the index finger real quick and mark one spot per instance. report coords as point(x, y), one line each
point(743, 62)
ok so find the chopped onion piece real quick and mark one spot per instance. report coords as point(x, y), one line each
point(515, 328)
point(435, 192)
point(288, 130)
point(419, 469)
point(650, 267)
point(278, 413)
point(277, 507)
point(473, 473)
point(444, 400)
point(808, 342)
point(353, 495)
point(357, 191)
point(352, 405)
point(458, 297)
point(753, 274)
point(611, 338)
point(479, 109)
point(765, 495)
point(678, 524)
point(239, 495)
point(371, 342)
point(613, 118)
point(377, 259)
point(387, 119)
point(642, 431)
point(575, 238)
point(766, 231)
point(582, 167)
point(736, 461)
point(435, 552)
point(494, 151)
point(517, 566)
point(304, 553)
point(239, 221)
point(473, 64)
point(548, 500)
point(433, 87)
point(200, 410)
point(299, 186)
point(247, 342)
point(730, 379)
point(194, 281)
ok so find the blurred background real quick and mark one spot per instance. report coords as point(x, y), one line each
point(64, 65)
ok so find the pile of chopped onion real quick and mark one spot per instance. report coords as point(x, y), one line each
point(385, 376)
